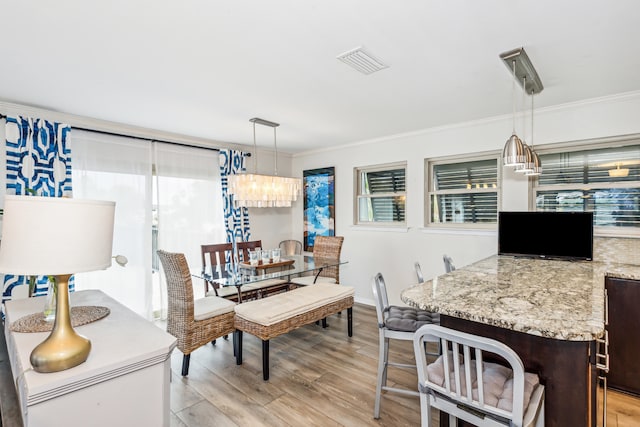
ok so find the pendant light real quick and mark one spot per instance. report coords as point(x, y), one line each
point(527, 166)
point(537, 164)
point(513, 153)
point(617, 172)
point(516, 153)
point(251, 190)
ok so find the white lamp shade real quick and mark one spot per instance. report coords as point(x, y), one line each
point(55, 235)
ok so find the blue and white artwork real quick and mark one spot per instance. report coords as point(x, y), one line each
point(319, 205)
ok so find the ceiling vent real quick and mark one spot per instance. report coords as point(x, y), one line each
point(362, 61)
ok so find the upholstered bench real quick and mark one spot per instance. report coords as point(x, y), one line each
point(269, 317)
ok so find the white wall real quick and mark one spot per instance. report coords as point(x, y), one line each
point(393, 252)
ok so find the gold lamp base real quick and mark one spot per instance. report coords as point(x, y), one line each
point(63, 348)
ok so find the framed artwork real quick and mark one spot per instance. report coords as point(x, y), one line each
point(319, 204)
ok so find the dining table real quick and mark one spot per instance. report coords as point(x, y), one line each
point(241, 274)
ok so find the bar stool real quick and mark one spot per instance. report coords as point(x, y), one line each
point(395, 322)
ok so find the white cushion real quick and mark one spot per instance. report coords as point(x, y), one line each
point(262, 284)
point(223, 291)
point(268, 311)
point(497, 382)
point(308, 280)
point(207, 307)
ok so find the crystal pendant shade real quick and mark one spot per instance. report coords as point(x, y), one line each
point(264, 191)
point(251, 190)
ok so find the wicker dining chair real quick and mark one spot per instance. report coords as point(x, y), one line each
point(324, 247)
point(193, 322)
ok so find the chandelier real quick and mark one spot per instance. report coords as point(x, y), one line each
point(251, 190)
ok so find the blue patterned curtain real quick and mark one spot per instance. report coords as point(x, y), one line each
point(38, 163)
point(236, 220)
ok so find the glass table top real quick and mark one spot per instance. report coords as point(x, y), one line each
point(242, 274)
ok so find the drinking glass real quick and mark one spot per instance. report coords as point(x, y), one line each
point(266, 256)
point(254, 256)
point(275, 255)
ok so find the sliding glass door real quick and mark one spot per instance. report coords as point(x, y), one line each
point(167, 197)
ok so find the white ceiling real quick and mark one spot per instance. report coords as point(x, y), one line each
point(205, 67)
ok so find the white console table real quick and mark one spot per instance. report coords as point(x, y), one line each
point(124, 382)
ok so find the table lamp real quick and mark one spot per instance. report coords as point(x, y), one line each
point(57, 236)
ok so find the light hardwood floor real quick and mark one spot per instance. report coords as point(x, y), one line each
point(318, 378)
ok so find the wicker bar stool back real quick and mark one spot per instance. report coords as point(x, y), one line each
point(193, 323)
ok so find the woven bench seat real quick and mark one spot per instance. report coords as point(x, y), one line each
point(269, 317)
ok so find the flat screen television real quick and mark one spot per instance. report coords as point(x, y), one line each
point(554, 235)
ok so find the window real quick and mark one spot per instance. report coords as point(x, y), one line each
point(605, 181)
point(381, 194)
point(462, 192)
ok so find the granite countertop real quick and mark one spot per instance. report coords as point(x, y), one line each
point(550, 298)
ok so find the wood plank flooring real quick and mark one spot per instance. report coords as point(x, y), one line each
point(318, 377)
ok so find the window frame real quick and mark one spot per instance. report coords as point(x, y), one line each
point(605, 143)
point(429, 164)
point(357, 172)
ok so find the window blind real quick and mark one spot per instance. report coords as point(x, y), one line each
point(604, 181)
point(464, 192)
point(382, 194)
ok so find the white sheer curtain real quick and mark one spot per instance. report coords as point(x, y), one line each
point(118, 168)
point(188, 206)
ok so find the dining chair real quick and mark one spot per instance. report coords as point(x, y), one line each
point(290, 247)
point(245, 247)
point(448, 263)
point(262, 288)
point(463, 384)
point(194, 323)
point(215, 258)
point(399, 323)
point(324, 247)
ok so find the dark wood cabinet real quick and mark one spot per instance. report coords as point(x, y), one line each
point(623, 299)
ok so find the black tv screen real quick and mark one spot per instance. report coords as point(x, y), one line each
point(561, 235)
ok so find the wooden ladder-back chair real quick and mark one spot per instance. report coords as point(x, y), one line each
point(245, 247)
point(324, 247)
point(463, 384)
point(215, 258)
point(193, 322)
point(262, 288)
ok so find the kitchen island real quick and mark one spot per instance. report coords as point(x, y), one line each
point(550, 312)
